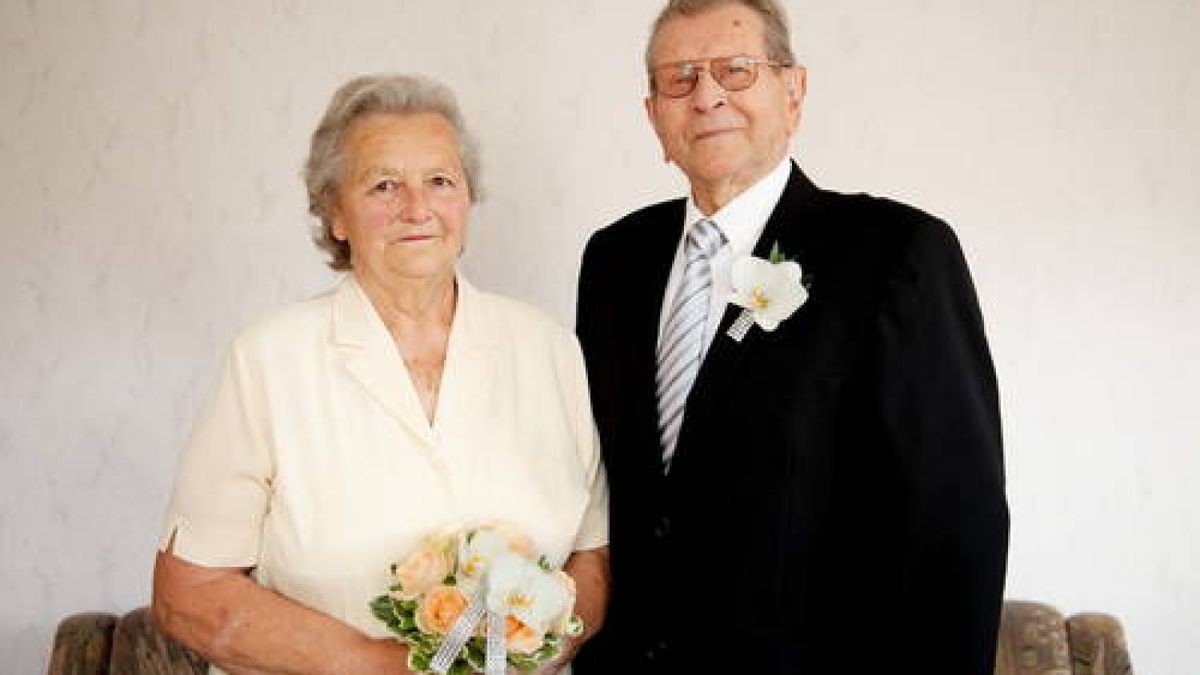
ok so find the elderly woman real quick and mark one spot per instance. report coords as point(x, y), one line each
point(347, 427)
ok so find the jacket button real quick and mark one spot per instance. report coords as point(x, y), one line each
point(662, 528)
point(656, 650)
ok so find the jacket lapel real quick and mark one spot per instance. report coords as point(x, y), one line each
point(371, 358)
point(645, 292)
point(470, 373)
point(725, 356)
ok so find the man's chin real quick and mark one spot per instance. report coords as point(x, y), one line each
point(717, 170)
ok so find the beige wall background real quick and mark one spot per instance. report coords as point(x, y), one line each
point(150, 204)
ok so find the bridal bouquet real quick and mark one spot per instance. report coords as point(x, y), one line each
point(477, 601)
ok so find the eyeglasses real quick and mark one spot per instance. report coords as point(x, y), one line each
point(733, 73)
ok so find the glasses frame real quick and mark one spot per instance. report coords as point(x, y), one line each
point(706, 65)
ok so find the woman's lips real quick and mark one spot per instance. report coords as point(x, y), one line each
point(413, 238)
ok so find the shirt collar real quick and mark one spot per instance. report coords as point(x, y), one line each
point(742, 220)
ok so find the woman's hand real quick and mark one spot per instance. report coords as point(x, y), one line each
point(589, 569)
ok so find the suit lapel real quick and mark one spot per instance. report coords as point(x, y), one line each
point(646, 282)
point(371, 358)
point(725, 356)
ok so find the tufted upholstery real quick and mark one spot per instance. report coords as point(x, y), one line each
point(101, 644)
point(1034, 639)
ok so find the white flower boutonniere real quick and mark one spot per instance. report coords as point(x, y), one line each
point(768, 290)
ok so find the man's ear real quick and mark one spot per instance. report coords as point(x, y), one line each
point(797, 83)
point(797, 87)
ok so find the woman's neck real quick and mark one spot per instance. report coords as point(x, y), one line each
point(409, 305)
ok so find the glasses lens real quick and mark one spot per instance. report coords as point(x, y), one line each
point(734, 73)
point(676, 80)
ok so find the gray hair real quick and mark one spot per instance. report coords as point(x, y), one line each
point(776, 34)
point(361, 97)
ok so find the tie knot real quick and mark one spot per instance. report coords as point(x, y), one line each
point(704, 240)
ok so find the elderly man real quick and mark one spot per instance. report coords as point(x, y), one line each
point(809, 480)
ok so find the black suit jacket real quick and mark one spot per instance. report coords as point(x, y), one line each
point(836, 501)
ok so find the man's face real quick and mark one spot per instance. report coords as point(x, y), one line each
point(724, 141)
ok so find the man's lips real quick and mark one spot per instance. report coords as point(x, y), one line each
point(711, 133)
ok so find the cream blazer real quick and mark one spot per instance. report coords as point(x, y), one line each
point(315, 465)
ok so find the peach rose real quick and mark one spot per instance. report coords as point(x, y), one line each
point(422, 570)
point(520, 638)
point(440, 608)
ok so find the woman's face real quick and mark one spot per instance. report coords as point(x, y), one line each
point(404, 199)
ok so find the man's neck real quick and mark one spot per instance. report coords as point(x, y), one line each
point(711, 197)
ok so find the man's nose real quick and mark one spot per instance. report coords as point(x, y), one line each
point(708, 93)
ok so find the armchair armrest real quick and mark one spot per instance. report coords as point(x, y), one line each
point(83, 644)
point(1098, 645)
point(1032, 640)
point(139, 647)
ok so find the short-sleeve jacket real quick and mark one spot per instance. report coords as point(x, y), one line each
point(315, 465)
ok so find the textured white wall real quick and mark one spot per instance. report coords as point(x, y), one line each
point(148, 175)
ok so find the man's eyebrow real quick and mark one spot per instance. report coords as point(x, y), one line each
point(380, 170)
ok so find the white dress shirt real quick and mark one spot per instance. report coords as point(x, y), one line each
point(741, 221)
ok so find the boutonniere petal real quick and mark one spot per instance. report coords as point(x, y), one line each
point(769, 291)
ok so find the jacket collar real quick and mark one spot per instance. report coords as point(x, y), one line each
point(371, 357)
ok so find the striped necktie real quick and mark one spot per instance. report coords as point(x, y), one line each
point(682, 340)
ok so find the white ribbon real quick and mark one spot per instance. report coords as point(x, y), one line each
point(496, 661)
point(497, 652)
point(741, 325)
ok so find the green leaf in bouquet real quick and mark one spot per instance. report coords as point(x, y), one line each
point(425, 642)
point(383, 609)
point(544, 564)
point(574, 626)
point(460, 667)
point(396, 587)
point(449, 580)
point(420, 659)
point(476, 653)
point(407, 606)
point(523, 662)
point(548, 650)
point(551, 647)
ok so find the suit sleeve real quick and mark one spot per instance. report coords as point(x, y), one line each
point(940, 410)
point(597, 654)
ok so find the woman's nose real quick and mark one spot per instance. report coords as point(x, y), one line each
point(414, 206)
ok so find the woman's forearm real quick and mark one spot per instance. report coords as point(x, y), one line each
point(247, 629)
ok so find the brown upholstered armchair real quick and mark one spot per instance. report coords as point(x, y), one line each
point(94, 643)
point(1035, 639)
